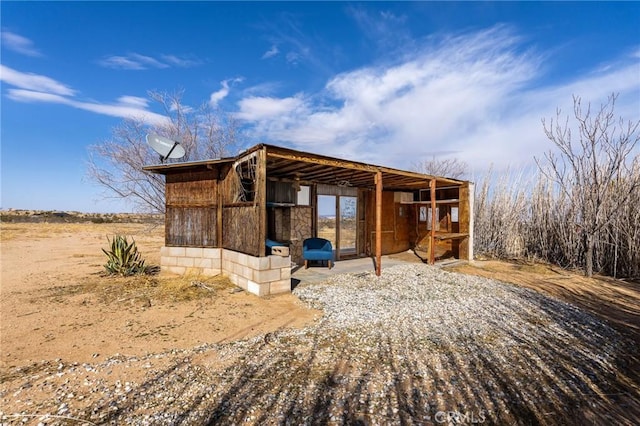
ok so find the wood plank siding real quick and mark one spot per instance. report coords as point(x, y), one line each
point(241, 225)
point(191, 209)
point(396, 224)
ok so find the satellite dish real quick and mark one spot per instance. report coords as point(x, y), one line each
point(167, 148)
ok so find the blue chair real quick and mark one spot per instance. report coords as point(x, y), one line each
point(317, 249)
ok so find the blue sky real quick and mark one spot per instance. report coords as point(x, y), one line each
point(386, 83)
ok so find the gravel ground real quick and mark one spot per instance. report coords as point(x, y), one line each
point(417, 345)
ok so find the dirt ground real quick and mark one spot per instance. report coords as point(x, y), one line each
point(57, 303)
point(58, 306)
point(614, 300)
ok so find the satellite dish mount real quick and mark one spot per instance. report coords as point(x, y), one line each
point(165, 147)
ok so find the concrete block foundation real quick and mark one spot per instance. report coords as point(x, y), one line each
point(258, 275)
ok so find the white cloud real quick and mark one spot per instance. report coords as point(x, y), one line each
point(181, 62)
point(219, 95)
point(22, 95)
point(290, 37)
point(385, 29)
point(294, 58)
point(38, 88)
point(120, 109)
point(121, 62)
point(271, 52)
point(19, 44)
point(34, 82)
point(261, 108)
point(480, 95)
point(133, 101)
point(137, 61)
point(262, 89)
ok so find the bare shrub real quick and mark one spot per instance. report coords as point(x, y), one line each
point(447, 167)
point(501, 216)
point(596, 172)
point(583, 210)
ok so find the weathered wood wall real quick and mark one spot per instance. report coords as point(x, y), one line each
point(191, 209)
point(464, 248)
point(244, 223)
point(194, 217)
point(191, 227)
point(396, 229)
point(241, 224)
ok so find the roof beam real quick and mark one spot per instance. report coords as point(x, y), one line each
point(325, 161)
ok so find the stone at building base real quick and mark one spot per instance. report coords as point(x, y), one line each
point(258, 275)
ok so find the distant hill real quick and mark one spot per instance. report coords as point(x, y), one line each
point(55, 216)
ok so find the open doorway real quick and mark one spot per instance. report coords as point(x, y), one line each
point(337, 222)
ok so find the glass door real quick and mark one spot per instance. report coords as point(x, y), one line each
point(327, 218)
point(338, 222)
point(348, 229)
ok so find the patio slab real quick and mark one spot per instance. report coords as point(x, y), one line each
point(317, 273)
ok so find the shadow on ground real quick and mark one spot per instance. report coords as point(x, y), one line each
point(574, 370)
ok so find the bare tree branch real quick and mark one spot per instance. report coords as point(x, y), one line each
point(585, 173)
point(448, 167)
point(116, 163)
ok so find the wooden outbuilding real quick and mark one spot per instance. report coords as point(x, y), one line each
point(247, 216)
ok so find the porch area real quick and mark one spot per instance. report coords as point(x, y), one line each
point(317, 273)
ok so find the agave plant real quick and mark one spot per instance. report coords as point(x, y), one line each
point(123, 258)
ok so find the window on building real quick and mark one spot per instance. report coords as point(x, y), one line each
point(429, 218)
point(304, 196)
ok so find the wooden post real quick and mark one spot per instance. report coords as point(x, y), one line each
point(378, 181)
point(337, 234)
point(260, 200)
point(219, 222)
point(465, 220)
point(432, 239)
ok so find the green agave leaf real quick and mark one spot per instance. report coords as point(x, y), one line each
point(124, 257)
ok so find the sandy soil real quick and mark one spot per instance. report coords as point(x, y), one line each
point(614, 300)
point(57, 306)
point(57, 302)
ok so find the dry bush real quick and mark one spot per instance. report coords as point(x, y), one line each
point(514, 219)
point(136, 288)
point(584, 210)
point(500, 216)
